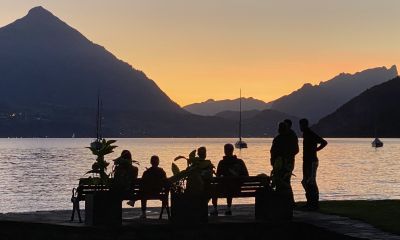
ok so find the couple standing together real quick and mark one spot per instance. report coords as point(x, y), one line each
point(283, 151)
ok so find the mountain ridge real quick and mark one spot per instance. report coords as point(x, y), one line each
point(211, 107)
point(316, 101)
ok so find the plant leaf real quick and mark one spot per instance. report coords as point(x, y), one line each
point(175, 169)
point(179, 157)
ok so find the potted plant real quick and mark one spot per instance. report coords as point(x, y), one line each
point(276, 201)
point(102, 207)
point(100, 148)
point(189, 198)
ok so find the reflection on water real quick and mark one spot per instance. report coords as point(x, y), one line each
point(38, 174)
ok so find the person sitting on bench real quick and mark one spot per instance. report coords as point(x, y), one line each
point(153, 180)
point(125, 173)
point(229, 166)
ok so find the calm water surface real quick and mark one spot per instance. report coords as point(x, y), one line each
point(38, 174)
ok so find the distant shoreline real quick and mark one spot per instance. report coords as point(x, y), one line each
point(269, 137)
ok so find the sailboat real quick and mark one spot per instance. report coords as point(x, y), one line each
point(240, 144)
point(377, 143)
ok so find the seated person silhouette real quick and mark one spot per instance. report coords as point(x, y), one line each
point(229, 166)
point(153, 180)
point(125, 173)
point(198, 173)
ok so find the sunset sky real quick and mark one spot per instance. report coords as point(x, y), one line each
point(196, 50)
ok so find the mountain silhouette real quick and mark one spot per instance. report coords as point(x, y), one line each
point(317, 101)
point(46, 63)
point(265, 123)
point(234, 115)
point(375, 112)
point(258, 123)
point(212, 107)
point(51, 75)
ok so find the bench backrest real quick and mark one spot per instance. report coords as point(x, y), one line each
point(219, 187)
point(238, 186)
point(88, 186)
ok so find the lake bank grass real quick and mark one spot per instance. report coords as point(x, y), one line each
point(382, 214)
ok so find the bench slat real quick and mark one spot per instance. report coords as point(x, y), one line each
point(243, 187)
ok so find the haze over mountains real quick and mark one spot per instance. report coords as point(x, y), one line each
point(315, 102)
point(374, 113)
point(212, 107)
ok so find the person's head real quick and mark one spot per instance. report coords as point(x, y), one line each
point(154, 161)
point(288, 123)
point(124, 160)
point(202, 152)
point(303, 124)
point(282, 128)
point(126, 154)
point(228, 149)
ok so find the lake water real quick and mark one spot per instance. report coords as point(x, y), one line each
point(38, 174)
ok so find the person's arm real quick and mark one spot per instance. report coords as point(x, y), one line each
point(135, 172)
point(322, 143)
point(244, 169)
point(273, 153)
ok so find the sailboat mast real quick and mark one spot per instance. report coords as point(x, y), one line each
point(240, 115)
point(97, 117)
point(101, 119)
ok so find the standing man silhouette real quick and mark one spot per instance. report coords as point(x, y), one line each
point(283, 150)
point(312, 143)
point(294, 146)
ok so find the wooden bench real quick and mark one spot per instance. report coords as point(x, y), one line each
point(87, 186)
point(269, 204)
point(257, 187)
point(238, 187)
point(194, 208)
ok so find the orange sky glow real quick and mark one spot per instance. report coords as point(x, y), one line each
point(196, 50)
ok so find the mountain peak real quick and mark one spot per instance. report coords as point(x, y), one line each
point(394, 69)
point(39, 12)
point(42, 25)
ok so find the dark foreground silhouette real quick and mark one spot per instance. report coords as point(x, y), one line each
point(312, 143)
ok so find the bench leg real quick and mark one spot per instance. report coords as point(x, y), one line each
point(73, 209)
point(162, 211)
point(164, 205)
point(73, 213)
point(168, 213)
point(76, 208)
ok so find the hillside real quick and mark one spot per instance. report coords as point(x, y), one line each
point(44, 62)
point(212, 107)
point(234, 115)
point(375, 111)
point(266, 123)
